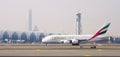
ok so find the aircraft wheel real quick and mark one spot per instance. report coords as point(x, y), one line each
point(76, 44)
point(93, 47)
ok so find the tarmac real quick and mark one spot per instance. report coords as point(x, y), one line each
point(58, 50)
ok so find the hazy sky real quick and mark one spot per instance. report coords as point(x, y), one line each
point(59, 16)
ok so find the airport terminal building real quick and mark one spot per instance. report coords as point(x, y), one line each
point(23, 37)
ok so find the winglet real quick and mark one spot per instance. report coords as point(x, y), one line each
point(101, 31)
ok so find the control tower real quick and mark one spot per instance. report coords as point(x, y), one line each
point(78, 24)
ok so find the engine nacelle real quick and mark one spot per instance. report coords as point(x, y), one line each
point(74, 41)
point(65, 41)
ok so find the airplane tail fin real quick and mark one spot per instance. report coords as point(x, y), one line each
point(101, 31)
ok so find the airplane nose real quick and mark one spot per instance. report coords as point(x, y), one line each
point(43, 40)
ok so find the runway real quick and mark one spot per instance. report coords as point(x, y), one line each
point(59, 50)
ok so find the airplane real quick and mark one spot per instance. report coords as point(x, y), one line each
point(78, 39)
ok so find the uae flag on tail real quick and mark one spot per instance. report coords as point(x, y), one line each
point(103, 30)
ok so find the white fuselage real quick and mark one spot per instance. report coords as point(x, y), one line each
point(59, 38)
point(76, 39)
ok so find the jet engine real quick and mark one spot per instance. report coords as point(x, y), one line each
point(65, 41)
point(75, 42)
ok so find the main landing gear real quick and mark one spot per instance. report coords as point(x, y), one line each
point(78, 45)
point(93, 47)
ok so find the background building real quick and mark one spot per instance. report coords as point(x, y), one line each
point(21, 37)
